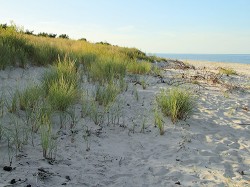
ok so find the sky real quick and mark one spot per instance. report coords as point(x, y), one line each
point(153, 26)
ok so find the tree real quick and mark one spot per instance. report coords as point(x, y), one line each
point(83, 39)
point(64, 36)
point(29, 32)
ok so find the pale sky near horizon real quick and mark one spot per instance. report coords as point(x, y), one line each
point(163, 26)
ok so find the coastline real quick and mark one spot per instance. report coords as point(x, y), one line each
point(239, 68)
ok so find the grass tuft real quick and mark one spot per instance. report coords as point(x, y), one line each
point(29, 97)
point(176, 103)
point(62, 94)
point(227, 71)
point(139, 67)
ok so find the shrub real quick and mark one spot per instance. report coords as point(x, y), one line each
point(64, 36)
point(176, 103)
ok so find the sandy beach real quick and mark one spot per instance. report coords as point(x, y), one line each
point(211, 148)
point(240, 68)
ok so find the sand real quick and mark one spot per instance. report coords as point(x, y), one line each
point(239, 68)
point(211, 148)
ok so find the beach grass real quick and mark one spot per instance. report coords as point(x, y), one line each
point(176, 103)
point(227, 71)
point(29, 98)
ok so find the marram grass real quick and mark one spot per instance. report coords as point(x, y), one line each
point(176, 103)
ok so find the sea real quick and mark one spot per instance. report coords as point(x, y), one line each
point(229, 58)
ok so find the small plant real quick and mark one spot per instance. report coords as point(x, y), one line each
point(135, 93)
point(86, 135)
point(144, 84)
point(86, 105)
point(115, 113)
point(227, 71)
point(11, 103)
point(73, 117)
point(176, 103)
point(48, 140)
point(95, 114)
point(10, 150)
point(159, 121)
point(143, 125)
point(17, 134)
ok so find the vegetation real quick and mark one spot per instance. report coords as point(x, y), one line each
point(20, 48)
point(36, 106)
point(176, 103)
point(29, 98)
point(106, 94)
point(139, 67)
point(159, 121)
point(227, 71)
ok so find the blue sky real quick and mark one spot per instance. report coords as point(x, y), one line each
point(166, 26)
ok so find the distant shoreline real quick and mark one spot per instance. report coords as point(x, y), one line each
point(224, 58)
point(239, 68)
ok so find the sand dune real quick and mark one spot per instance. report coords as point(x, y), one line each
point(211, 148)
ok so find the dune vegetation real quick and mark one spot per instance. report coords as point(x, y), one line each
point(95, 110)
point(68, 63)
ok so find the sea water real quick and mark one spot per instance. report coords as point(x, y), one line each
point(230, 58)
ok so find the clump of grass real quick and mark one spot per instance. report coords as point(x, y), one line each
point(48, 140)
point(106, 94)
point(139, 67)
point(61, 94)
point(159, 120)
point(107, 70)
point(227, 71)
point(176, 103)
point(64, 69)
point(61, 84)
point(12, 102)
point(29, 98)
point(96, 114)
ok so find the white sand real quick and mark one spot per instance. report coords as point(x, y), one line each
point(239, 68)
point(209, 149)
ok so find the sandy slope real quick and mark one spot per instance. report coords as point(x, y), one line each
point(211, 148)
